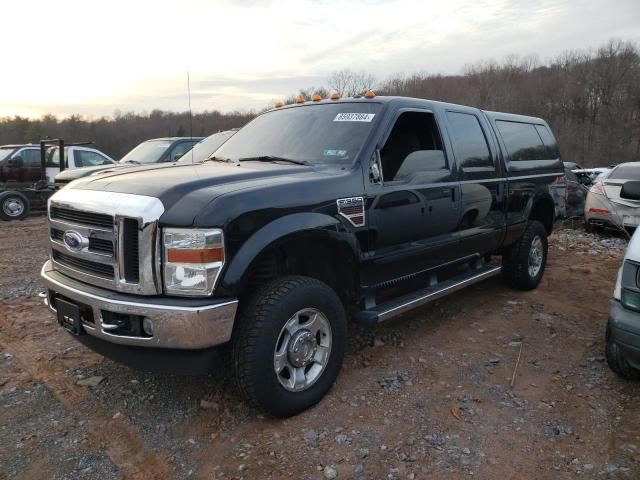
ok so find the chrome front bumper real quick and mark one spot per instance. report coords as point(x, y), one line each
point(177, 323)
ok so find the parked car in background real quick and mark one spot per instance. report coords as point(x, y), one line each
point(623, 328)
point(203, 150)
point(21, 182)
point(608, 203)
point(576, 194)
point(152, 151)
point(77, 157)
point(20, 164)
point(588, 176)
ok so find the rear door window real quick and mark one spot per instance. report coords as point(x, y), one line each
point(551, 147)
point(469, 143)
point(523, 141)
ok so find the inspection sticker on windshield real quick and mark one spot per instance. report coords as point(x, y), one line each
point(334, 153)
point(354, 117)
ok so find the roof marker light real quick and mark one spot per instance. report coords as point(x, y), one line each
point(334, 95)
point(300, 99)
point(279, 104)
point(369, 94)
point(316, 97)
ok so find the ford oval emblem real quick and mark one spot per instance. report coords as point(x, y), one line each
point(74, 241)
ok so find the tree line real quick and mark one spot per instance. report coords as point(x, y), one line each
point(117, 135)
point(590, 98)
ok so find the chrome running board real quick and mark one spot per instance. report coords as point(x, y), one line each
point(397, 306)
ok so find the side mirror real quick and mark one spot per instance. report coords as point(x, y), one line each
point(375, 175)
point(630, 190)
point(16, 162)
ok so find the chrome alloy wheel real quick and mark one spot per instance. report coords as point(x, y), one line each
point(303, 349)
point(536, 253)
point(13, 207)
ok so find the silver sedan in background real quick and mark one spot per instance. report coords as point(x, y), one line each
point(609, 204)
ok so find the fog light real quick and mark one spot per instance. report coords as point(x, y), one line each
point(147, 326)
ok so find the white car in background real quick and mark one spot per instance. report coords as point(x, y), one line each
point(623, 328)
point(611, 201)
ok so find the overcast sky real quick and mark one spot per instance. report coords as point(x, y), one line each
point(93, 57)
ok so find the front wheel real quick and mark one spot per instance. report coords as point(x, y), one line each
point(289, 344)
point(13, 206)
point(525, 261)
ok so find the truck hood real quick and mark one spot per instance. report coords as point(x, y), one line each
point(189, 188)
point(71, 174)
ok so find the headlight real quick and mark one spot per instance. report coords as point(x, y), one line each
point(193, 258)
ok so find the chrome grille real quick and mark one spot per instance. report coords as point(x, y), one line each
point(113, 228)
point(85, 266)
point(82, 218)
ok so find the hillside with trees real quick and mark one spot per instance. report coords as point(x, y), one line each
point(590, 98)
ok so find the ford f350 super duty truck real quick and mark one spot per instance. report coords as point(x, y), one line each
point(312, 215)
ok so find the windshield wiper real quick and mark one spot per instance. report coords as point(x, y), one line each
point(134, 162)
point(272, 158)
point(216, 159)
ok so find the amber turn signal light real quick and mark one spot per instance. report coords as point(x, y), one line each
point(195, 255)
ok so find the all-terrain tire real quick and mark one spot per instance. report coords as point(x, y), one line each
point(13, 206)
point(617, 362)
point(516, 260)
point(259, 330)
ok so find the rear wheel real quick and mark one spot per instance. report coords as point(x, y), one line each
point(13, 206)
point(525, 261)
point(289, 344)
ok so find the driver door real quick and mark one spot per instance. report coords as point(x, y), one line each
point(413, 210)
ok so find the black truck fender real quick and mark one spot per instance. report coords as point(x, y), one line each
point(307, 228)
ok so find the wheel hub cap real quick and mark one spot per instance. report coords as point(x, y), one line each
point(536, 254)
point(302, 348)
point(13, 207)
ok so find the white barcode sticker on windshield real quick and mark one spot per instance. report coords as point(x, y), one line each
point(354, 117)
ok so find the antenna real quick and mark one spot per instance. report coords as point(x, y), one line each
point(190, 113)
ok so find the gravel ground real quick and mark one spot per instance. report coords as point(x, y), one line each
point(427, 396)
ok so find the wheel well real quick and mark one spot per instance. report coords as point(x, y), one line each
point(543, 212)
point(324, 259)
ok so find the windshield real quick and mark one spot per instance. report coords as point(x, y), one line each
point(322, 133)
point(147, 152)
point(625, 172)
point(5, 152)
point(205, 148)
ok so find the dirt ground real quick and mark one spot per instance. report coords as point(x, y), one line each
point(427, 396)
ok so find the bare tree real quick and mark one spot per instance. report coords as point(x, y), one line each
point(351, 84)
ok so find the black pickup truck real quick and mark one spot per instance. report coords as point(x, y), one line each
point(312, 215)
